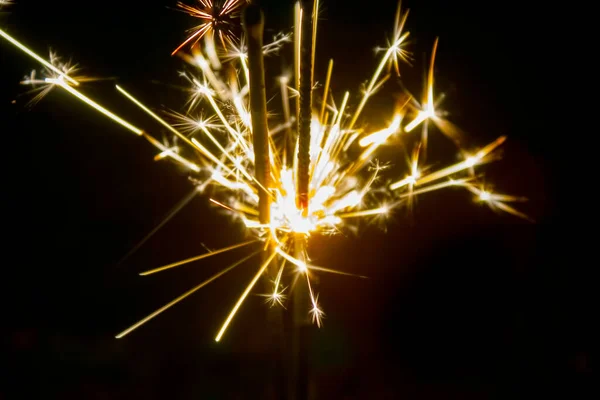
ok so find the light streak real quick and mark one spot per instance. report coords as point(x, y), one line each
point(60, 82)
point(197, 258)
point(243, 296)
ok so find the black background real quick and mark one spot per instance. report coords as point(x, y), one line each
point(462, 302)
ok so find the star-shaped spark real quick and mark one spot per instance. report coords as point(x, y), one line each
point(57, 70)
point(397, 42)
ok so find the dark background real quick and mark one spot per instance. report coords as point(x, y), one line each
point(462, 302)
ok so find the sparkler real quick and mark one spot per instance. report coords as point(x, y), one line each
point(329, 184)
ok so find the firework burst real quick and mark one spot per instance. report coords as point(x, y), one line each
point(219, 17)
point(213, 138)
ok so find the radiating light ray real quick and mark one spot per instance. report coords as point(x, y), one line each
point(183, 296)
point(382, 135)
point(222, 205)
point(477, 159)
point(334, 271)
point(392, 50)
point(316, 313)
point(153, 115)
point(365, 213)
point(178, 207)
point(234, 133)
point(197, 258)
point(188, 125)
point(60, 82)
point(400, 53)
point(438, 186)
point(243, 296)
point(43, 87)
point(498, 201)
point(314, 37)
point(170, 153)
point(277, 297)
point(278, 278)
point(426, 111)
point(298, 263)
point(326, 92)
point(297, 42)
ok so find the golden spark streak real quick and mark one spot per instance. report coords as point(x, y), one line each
point(297, 47)
point(428, 103)
point(235, 162)
point(39, 59)
point(381, 136)
point(276, 293)
point(497, 201)
point(166, 152)
point(183, 296)
point(300, 264)
point(237, 135)
point(197, 258)
point(365, 213)
point(451, 182)
point(238, 208)
point(511, 210)
point(222, 205)
point(375, 78)
point(334, 271)
point(283, 84)
point(211, 156)
point(60, 82)
point(421, 116)
point(153, 115)
point(316, 312)
point(243, 296)
point(326, 91)
point(477, 159)
point(314, 38)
